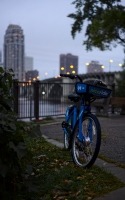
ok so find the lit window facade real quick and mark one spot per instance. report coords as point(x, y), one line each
point(68, 64)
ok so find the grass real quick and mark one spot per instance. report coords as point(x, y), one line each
point(56, 177)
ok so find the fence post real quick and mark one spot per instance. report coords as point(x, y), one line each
point(36, 100)
point(15, 94)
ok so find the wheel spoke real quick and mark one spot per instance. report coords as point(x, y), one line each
point(84, 153)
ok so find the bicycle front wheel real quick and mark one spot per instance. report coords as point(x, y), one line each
point(84, 153)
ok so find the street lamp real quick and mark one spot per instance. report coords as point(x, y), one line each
point(102, 66)
point(110, 61)
point(87, 64)
point(120, 65)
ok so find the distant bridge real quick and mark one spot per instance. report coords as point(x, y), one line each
point(56, 87)
point(108, 77)
point(59, 88)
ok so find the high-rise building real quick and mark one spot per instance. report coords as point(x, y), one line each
point(32, 75)
point(1, 63)
point(14, 51)
point(68, 64)
point(94, 66)
point(0, 58)
point(28, 63)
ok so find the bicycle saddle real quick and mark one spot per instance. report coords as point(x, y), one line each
point(95, 82)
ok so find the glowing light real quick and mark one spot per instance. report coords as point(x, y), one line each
point(87, 64)
point(62, 68)
point(29, 82)
point(43, 92)
point(111, 61)
point(120, 65)
point(71, 66)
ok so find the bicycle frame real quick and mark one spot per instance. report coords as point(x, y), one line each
point(77, 115)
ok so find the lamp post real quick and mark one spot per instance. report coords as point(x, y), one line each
point(103, 67)
point(87, 67)
point(110, 61)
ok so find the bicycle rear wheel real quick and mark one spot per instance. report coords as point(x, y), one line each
point(66, 141)
point(83, 153)
point(68, 128)
point(68, 136)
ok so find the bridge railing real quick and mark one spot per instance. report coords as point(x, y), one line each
point(35, 100)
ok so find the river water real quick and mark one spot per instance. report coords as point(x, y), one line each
point(26, 108)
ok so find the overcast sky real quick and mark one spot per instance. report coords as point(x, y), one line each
point(47, 34)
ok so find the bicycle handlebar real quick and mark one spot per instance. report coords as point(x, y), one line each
point(71, 76)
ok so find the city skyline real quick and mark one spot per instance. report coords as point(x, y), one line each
point(47, 33)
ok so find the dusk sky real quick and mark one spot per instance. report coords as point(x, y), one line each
point(47, 31)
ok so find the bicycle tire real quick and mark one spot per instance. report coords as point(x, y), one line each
point(84, 155)
point(66, 141)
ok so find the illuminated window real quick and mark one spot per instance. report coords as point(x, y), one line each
point(62, 68)
point(71, 66)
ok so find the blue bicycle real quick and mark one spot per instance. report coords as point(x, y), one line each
point(82, 130)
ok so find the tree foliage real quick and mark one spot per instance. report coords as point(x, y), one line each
point(103, 21)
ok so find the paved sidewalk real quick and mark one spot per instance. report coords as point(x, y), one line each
point(113, 146)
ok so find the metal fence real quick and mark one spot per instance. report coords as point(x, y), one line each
point(37, 99)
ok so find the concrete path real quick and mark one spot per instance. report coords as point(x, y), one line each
point(113, 146)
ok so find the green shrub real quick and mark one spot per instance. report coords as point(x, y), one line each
point(13, 152)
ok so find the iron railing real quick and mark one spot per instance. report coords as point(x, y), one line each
point(37, 99)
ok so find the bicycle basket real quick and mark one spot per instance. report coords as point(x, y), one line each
point(92, 90)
